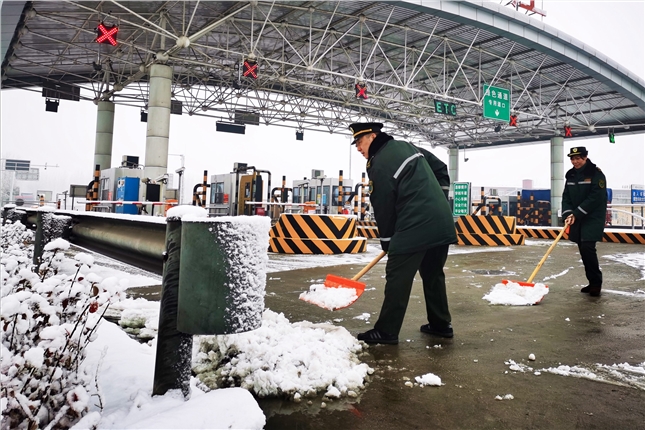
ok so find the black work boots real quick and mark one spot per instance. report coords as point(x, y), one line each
point(437, 331)
point(591, 290)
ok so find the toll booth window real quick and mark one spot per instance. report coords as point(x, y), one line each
point(312, 195)
point(347, 192)
point(105, 189)
point(217, 193)
point(325, 195)
point(296, 195)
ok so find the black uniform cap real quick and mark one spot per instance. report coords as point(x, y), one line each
point(360, 128)
point(578, 150)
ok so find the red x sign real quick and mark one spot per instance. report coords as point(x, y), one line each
point(361, 91)
point(107, 34)
point(513, 122)
point(250, 69)
point(567, 131)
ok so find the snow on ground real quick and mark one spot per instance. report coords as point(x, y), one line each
point(635, 260)
point(284, 359)
point(516, 295)
point(284, 262)
point(622, 374)
point(269, 360)
point(125, 379)
point(557, 275)
point(547, 242)
point(428, 379)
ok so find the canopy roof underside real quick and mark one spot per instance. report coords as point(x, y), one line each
point(310, 56)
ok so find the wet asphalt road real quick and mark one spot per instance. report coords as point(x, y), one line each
point(567, 328)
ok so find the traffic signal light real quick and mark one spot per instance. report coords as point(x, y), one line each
point(567, 131)
point(250, 69)
point(513, 121)
point(106, 34)
point(612, 138)
point(361, 90)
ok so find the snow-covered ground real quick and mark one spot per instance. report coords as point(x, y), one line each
point(293, 360)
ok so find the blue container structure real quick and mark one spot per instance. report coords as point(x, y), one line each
point(127, 190)
point(543, 194)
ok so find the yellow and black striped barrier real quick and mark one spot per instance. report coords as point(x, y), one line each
point(486, 224)
point(315, 226)
point(635, 237)
point(474, 239)
point(315, 234)
point(367, 229)
point(487, 230)
point(285, 245)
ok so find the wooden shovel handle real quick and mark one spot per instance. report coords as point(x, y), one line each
point(369, 266)
point(564, 229)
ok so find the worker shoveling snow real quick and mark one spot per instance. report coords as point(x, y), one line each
point(514, 294)
point(329, 298)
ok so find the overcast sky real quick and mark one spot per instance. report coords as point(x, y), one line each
point(67, 138)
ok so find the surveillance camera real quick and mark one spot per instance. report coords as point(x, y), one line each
point(466, 159)
point(163, 178)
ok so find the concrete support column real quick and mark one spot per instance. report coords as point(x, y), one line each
point(453, 164)
point(156, 161)
point(557, 177)
point(104, 134)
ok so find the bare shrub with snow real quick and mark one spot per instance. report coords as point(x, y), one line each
point(49, 315)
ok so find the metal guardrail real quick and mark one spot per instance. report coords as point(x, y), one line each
point(131, 239)
point(627, 215)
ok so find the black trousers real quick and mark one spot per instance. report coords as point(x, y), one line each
point(590, 261)
point(399, 275)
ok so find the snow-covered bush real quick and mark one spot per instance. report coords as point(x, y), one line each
point(49, 315)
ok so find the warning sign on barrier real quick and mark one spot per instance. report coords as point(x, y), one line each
point(461, 193)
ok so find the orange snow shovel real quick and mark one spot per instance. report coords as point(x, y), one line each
point(333, 281)
point(529, 283)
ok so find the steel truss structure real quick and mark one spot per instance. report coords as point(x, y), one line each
point(311, 55)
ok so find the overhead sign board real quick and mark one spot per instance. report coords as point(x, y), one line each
point(638, 194)
point(497, 103)
point(461, 194)
point(445, 108)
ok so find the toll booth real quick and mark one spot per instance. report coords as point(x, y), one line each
point(127, 189)
point(240, 192)
point(509, 205)
point(323, 192)
point(110, 182)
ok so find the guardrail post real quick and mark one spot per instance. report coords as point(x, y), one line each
point(49, 226)
point(174, 348)
point(39, 239)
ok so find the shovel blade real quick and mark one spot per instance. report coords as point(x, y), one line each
point(524, 284)
point(333, 281)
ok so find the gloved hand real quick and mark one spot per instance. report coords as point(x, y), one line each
point(385, 245)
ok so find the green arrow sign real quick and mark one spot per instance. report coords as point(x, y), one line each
point(497, 103)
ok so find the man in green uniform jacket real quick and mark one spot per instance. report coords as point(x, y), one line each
point(416, 227)
point(584, 205)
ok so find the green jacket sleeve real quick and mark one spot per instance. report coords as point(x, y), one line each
point(567, 208)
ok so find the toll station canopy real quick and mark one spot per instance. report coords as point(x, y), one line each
point(450, 74)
